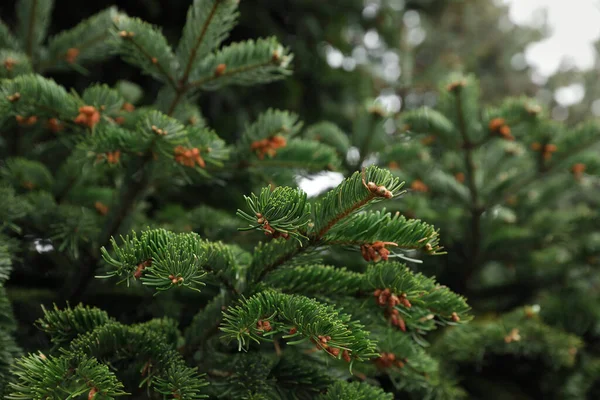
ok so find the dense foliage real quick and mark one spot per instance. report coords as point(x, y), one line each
point(154, 242)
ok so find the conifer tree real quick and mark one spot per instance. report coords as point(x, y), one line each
point(514, 196)
point(89, 181)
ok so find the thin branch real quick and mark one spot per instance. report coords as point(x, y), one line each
point(524, 183)
point(221, 278)
point(50, 63)
point(188, 67)
point(343, 215)
point(29, 41)
point(283, 259)
point(158, 65)
point(129, 192)
point(227, 73)
point(183, 86)
point(475, 208)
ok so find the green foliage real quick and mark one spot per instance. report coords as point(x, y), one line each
point(65, 325)
point(36, 96)
point(351, 196)
point(144, 46)
point(92, 186)
point(208, 24)
point(310, 319)
point(159, 258)
point(354, 391)
point(89, 38)
point(329, 134)
point(33, 19)
point(19, 63)
point(283, 209)
point(54, 377)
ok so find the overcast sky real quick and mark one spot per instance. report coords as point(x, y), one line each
point(575, 25)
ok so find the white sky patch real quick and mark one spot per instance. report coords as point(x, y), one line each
point(316, 184)
point(574, 25)
point(569, 95)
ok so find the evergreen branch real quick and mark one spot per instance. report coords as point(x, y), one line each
point(342, 390)
point(475, 208)
point(428, 121)
point(161, 259)
point(329, 134)
point(207, 26)
point(28, 95)
point(520, 332)
point(259, 135)
point(243, 63)
point(12, 208)
point(583, 138)
point(145, 47)
point(136, 181)
point(268, 313)
point(270, 256)
point(88, 41)
point(15, 63)
point(370, 227)
point(280, 212)
point(23, 172)
point(166, 373)
point(352, 195)
point(301, 154)
point(104, 98)
point(206, 322)
point(315, 279)
point(49, 377)
point(73, 227)
point(7, 39)
point(33, 19)
point(65, 325)
point(420, 301)
point(84, 47)
point(222, 264)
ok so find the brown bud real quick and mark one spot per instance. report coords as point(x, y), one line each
point(220, 69)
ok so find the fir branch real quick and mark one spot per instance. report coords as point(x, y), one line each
point(354, 391)
point(206, 322)
point(370, 227)
point(33, 19)
point(329, 134)
point(87, 41)
point(37, 96)
point(65, 325)
point(520, 332)
point(25, 173)
point(7, 39)
point(428, 121)
point(145, 46)
point(300, 155)
point(352, 195)
point(207, 26)
point(311, 320)
point(316, 279)
point(476, 209)
point(161, 259)
point(41, 376)
point(283, 211)
point(270, 256)
point(14, 63)
point(243, 63)
point(168, 372)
